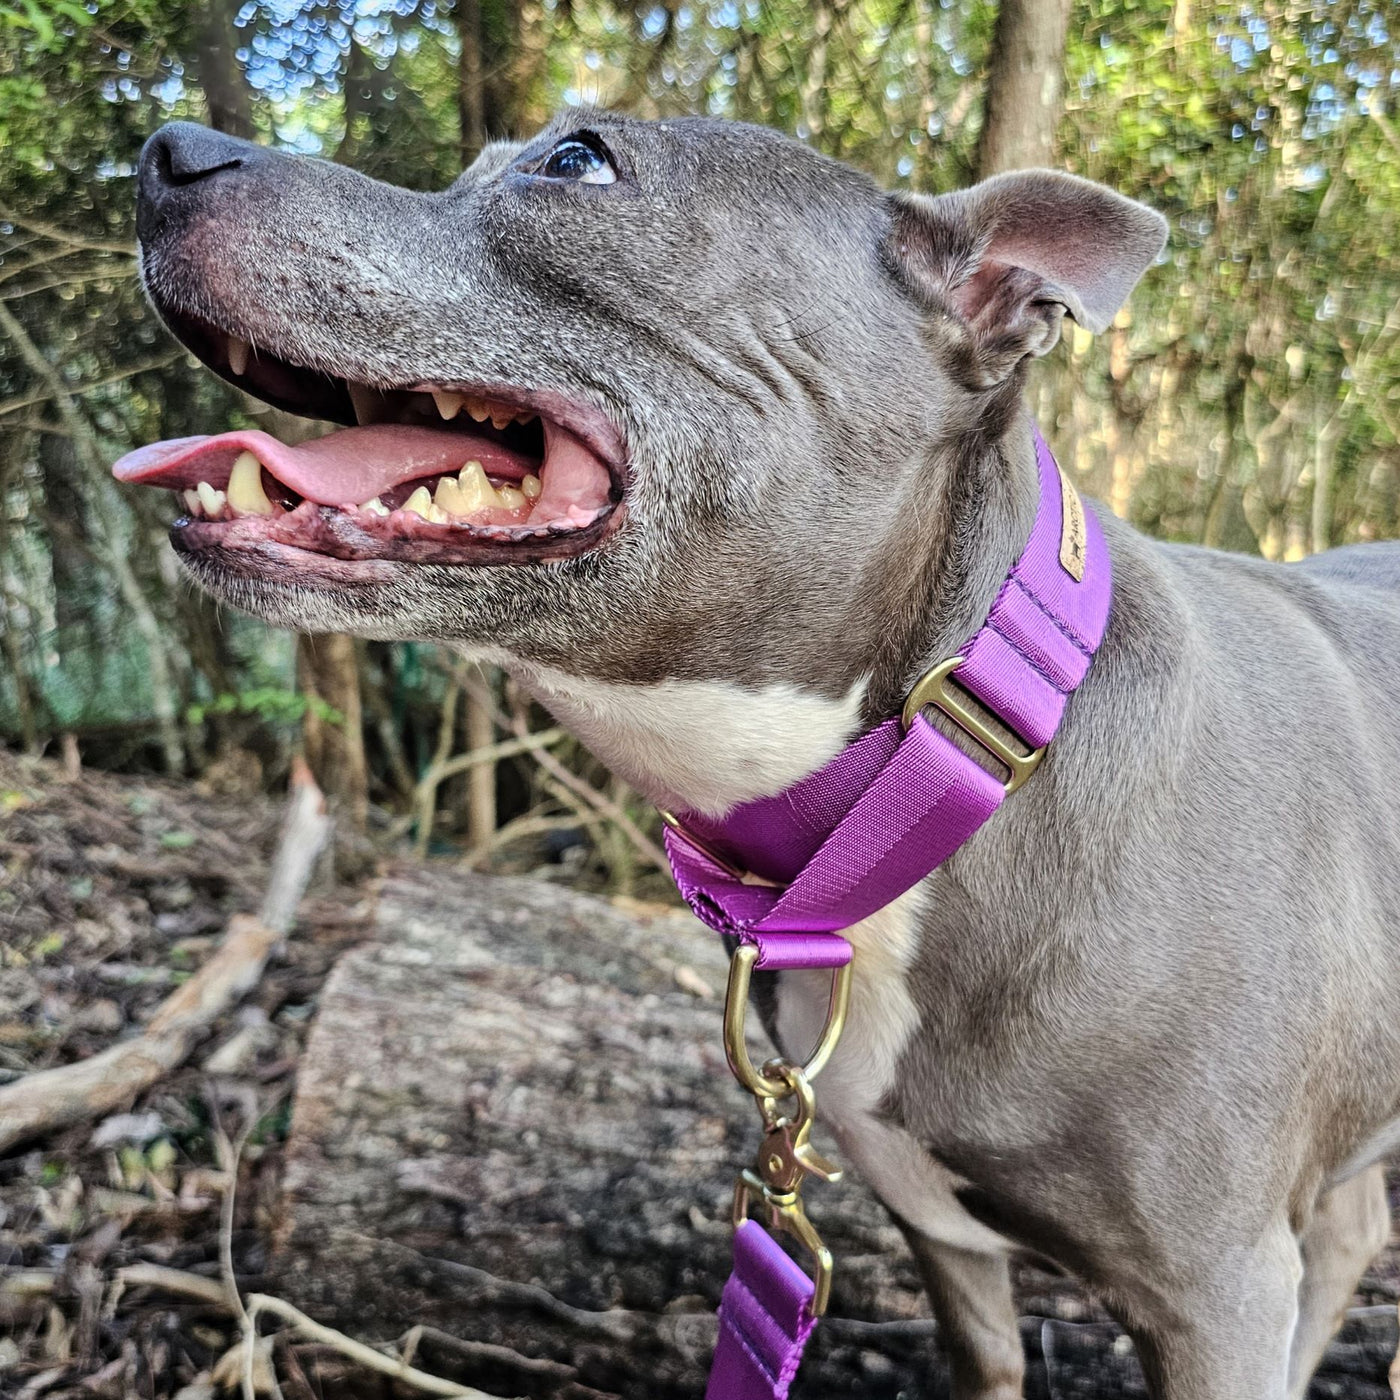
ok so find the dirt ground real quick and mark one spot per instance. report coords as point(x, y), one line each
point(112, 890)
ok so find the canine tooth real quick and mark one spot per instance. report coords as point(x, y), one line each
point(449, 497)
point(375, 506)
point(245, 488)
point(475, 490)
point(192, 502)
point(448, 403)
point(237, 355)
point(212, 499)
point(420, 503)
point(477, 408)
point(510, 498)
point(531, 487)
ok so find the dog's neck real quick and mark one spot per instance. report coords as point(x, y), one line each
point(707, 745)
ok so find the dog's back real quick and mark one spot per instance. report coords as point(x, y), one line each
point(1361, 585)
point(1369, 565)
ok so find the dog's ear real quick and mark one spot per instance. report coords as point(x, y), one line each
point(1008, 257)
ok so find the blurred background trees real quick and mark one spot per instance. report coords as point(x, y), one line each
point(1248, 398)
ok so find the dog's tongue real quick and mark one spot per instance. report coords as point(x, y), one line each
point(344, 468)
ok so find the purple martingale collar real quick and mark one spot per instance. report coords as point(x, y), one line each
point(786, 873)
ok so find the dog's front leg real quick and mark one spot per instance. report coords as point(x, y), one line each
point(1220, 1324)
point(971, 1296)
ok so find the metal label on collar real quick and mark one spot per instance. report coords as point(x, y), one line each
point(1073, 540)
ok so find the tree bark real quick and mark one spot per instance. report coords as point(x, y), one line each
point(481, 777)
point(328, 672)
point(1025, 86)
point(471, 89)
point(226, 95)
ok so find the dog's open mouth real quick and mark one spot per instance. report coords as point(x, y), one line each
point(432, 473)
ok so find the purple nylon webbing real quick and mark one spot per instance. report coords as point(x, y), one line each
point(853, 836)
point(764, 1320)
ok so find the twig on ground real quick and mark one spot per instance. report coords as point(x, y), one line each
point(533, 824)
point(104, 1083)
point(595, 799)
point(207, 1290)
point(489, 1351)
point(366, 1355)
point(179, 1281)
point(230, 1153)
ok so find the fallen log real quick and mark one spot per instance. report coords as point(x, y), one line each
point(514, 1127)
point(107, 1082)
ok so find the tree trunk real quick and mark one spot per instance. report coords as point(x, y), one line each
point(514, 1130)
point(471, 89)
point(481, 780)
point(1326, 435)
point(328, 672)
point(226, 95)
point(1025, 86)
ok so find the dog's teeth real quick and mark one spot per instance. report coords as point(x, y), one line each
point(502, 420)
point(375, 506)
point(449, 498)
point(212, 499)
point(531, 487)
point(192, 502)
point(237, 355)
point(449, 405)
point(420, 502)
point(245, 489)
point(477, 408)
point(510, 498)
point(475, 490)
point(369, 403)
point(437, 515)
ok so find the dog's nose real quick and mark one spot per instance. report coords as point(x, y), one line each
point(183, 154)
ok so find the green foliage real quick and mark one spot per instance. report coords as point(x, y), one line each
point(280, 707)
point(1249, 397)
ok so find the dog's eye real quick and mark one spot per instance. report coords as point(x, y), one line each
point(576, 159)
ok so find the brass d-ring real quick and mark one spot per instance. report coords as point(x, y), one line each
point(932, 689)
point(736, 1003)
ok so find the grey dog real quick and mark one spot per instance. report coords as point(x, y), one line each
point(1147, 1022)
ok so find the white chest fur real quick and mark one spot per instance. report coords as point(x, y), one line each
point(705, 746)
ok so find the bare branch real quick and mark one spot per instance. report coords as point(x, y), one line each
point(595, 799)
point(80, 279)
point(60, 235)
point(78, 391)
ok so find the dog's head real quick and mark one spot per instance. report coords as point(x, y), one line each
point(636, 398)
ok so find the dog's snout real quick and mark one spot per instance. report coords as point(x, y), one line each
point(183, 154)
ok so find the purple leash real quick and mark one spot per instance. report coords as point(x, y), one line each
point(784, 874)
